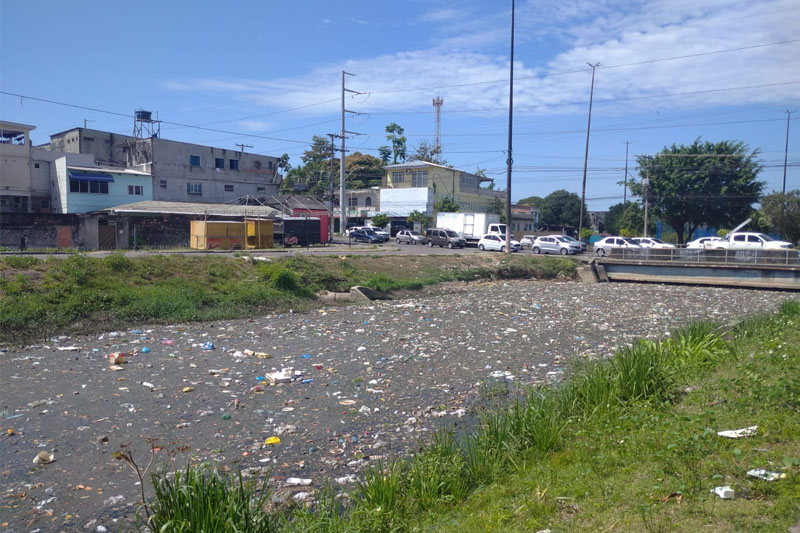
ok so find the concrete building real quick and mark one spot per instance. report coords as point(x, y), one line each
point(181, 172)
point(462, 187)
point(24, 183)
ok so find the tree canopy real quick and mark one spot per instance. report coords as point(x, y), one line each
point(394, 134)
point(533, 201)
point(627, 219)
point(562, 208)
point(702, 183)
point(426, 151)
point(783, 213)
point(381, 220)
point(445, 204)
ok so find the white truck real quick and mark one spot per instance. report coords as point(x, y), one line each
point(745, 240)
point(472, 226)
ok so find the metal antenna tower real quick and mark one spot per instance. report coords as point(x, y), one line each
point(437, 142)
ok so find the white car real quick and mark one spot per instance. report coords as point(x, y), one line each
point(747, 241)
point(604, 246)
point(497, 242)
point(649, 242)
point(573, 239)
point(555, 244)
point(527, 240)
point(410, 237)
point(701, 242)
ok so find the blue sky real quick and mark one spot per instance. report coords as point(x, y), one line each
point(267, 74)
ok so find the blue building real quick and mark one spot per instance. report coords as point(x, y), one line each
point(85, 189)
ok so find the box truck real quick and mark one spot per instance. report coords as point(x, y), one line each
point(472, 226)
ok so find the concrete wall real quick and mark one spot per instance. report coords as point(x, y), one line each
point(40, 231)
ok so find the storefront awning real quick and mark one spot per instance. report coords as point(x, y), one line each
point(107, 178)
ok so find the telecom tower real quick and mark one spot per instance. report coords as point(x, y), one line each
point(437, 142)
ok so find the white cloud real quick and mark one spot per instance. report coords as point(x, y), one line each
point(254, 125)
point(613, 32)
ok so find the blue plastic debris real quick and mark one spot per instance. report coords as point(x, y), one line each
point(306, 356)
point(145, 349)
point(208, 345)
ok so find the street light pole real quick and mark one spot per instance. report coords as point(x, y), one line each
point(586, 155)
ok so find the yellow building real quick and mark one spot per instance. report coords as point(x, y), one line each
point(464, 188)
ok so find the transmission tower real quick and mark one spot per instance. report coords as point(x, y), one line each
point(437, 142)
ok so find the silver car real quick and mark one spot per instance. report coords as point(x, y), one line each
point(555, 244)
point(409, 237)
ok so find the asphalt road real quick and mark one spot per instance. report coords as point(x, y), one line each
point(367, 383)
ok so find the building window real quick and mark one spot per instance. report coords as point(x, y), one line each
point(229, 188)
point(419, 178)
point(36, 165)
point(163, 184)
point(136, 190)
point(45, 204)
point(368, 202)
point(257, 165)
point(270, 164)
point(398, 177)
point(91, 187)
point(352, 202)
point(89, 139)
point(219, 162)
point(234, 164)
point(468, 182)
point(194, 160)
point(194, 188)
point(261, 189)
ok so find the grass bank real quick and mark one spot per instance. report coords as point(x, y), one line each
point(628, 444)
point(40, 298)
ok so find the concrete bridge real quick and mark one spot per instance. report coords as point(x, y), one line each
point(764, 269)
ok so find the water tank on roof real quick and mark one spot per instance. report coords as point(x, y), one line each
point(145, 116)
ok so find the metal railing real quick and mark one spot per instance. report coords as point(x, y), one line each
point(785, 257)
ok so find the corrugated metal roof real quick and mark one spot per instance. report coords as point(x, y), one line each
point(185, 208)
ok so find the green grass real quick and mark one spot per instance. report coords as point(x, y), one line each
point(41, 298)
point(629, 444)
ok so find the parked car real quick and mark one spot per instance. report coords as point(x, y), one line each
point(744, 240)
point(409, 236)
point(555, 244)
point(573, 239)
point(444, 237)
point(649, 242)
point(497, 242)
point(365, 235)
point(700, 243)
point(527, 240)
point(380, 231)
point(605, 245)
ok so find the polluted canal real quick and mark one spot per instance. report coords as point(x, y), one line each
point(304, 398)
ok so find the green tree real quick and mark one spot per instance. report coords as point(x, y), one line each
point(783, 213)
point(381, 220)
point(426, 151)
point(283, 163)
point(534, 201)
point(395, 136)
point(702, 183)
point(385, 154)
point(628, 216)
point(496, 207)
point(562, 208)
point(365, 169)
point(320, 151)
point(445, 204)
point(418, 217)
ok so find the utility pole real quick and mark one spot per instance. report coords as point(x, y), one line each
point(625, 190)
point(786, 150)
point(331, 195)
point(510, 160)
point(342, 188)
point(646, 184)
point(586, 155)
point(85, 121)
point(243, 146)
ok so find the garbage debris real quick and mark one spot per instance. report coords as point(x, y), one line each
point(272, 441)
point(284, 375)
point(738, 433)
point(725, 492)
point(766, 475)
point(116, 358)
point(44, 458)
